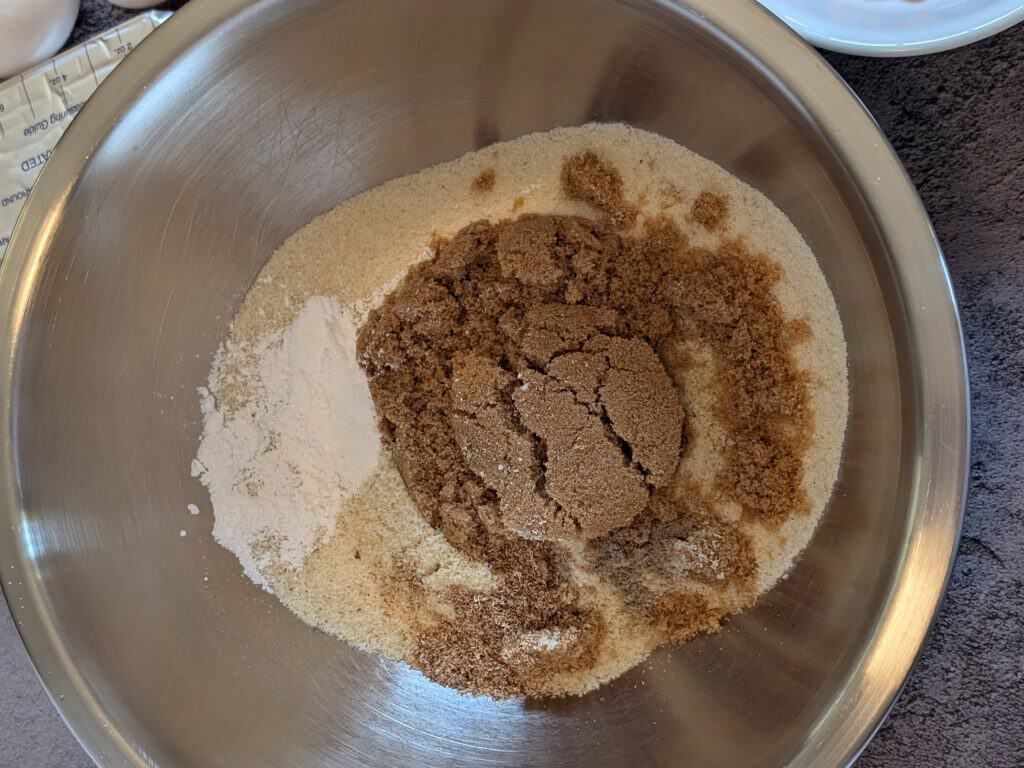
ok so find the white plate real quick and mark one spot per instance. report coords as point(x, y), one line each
point(896, 27)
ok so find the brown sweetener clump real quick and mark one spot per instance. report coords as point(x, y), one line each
point(523, 381)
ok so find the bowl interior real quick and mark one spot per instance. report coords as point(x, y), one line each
point(273, 117)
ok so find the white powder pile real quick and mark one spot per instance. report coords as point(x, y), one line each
point(280, 467)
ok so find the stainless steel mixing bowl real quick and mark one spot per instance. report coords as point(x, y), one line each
point(233, 126)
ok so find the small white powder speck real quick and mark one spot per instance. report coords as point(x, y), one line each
point(193, 509)
point(699, 551)
point(279, 468)
point(546, 639)
point(183, 533)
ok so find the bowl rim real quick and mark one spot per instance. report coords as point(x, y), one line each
point(940, 465)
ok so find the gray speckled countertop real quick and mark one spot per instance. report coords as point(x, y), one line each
point(957, 121)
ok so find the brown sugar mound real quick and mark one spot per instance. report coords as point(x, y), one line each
point(556, 419)
point(520, 381)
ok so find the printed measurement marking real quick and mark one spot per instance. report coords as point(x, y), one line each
point(89, 59)
point(59, 81)
point(27, 97)
point(124, 48)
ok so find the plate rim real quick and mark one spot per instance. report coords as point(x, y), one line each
point(921, 46)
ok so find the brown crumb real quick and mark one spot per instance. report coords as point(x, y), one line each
point(485, 181)
point(521, 377)
point(710, 210)
point(588, 178)
point(517, 204)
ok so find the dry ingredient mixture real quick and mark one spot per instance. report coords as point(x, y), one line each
point(600, 430)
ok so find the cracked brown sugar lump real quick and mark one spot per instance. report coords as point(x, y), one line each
point(640, 401)
point(585, 471)
point(458, 360)
point(564, 417)
point(550, 329)
point(503, 457)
